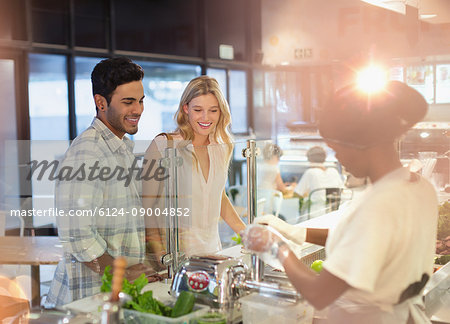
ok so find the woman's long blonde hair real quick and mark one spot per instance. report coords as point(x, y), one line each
point(200, 86)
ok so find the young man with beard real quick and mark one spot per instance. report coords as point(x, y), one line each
point(98, 224)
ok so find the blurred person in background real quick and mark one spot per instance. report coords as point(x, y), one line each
point(318, 175)
point(269, 176)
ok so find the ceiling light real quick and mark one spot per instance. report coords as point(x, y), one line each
point(371, 79)
point(428, 16)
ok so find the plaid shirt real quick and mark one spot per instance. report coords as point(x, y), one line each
point(103, 203)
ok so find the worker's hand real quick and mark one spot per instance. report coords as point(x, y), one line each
point(258, 238)
point(265, 242)
point(296, 234)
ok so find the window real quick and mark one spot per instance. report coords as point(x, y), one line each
point(236, 97)
point(84, 101)
point(9, 173)
point(284, 98)
point(238, 101)
point(443, 83)
point(49, 123)
point(163, 85)
point(396, 73)
point(420, 77)
point(221, 76)
point(48, 97)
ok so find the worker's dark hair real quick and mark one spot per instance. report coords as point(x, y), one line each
point(357, 117)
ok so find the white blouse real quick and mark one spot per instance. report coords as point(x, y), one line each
point(200, 200)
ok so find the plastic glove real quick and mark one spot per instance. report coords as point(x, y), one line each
point(264, 241)
point(296, 234)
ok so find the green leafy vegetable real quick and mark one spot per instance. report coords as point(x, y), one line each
point(106, 280)
point(237, 239)
point(443, 230)
point(144, 302)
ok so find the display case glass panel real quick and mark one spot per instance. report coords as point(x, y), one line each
point(442, 83)
point(421, 78)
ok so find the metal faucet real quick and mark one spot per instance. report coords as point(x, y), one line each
point(257, 265)
point(173, 257)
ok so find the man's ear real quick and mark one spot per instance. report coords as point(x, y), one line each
point(185, 108)
point(100, 102)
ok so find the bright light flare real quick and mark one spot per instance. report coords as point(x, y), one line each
point(371, 79)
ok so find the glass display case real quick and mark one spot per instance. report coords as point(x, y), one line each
point(426, 148)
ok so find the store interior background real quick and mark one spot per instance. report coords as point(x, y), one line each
point(276, 60)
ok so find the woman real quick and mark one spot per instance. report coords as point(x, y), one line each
point(380, 254)
point(205, 144)
point(269, 176)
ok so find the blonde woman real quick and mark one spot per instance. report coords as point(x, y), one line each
point(205, 144)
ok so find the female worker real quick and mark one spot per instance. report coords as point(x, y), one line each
point(203, 141)
point(380, 255)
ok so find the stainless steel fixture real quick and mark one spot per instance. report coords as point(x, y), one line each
point(173, 257)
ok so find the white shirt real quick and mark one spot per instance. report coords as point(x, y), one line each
point(201, 199)
point(267, 175)
point(107, 205)
point(384, 242)
point(315, 178)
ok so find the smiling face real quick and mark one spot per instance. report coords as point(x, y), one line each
point(203, 114)
point(123, 112)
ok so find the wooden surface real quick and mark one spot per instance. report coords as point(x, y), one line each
point(31, 250)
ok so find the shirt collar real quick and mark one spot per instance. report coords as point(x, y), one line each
point(399, 173)
point(114, 143)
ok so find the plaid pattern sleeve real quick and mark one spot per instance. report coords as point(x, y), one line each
point(97, 191)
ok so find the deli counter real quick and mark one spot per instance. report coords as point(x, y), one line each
point(233, 285)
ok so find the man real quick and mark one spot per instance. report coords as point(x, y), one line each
point(101, 196)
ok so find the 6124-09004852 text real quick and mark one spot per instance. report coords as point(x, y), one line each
point(103, 211)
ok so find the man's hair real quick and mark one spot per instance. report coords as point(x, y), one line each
point(111, 73)
point(316, 154)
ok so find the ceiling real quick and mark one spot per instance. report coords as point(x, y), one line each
point(439, 7)
point(431, 11)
